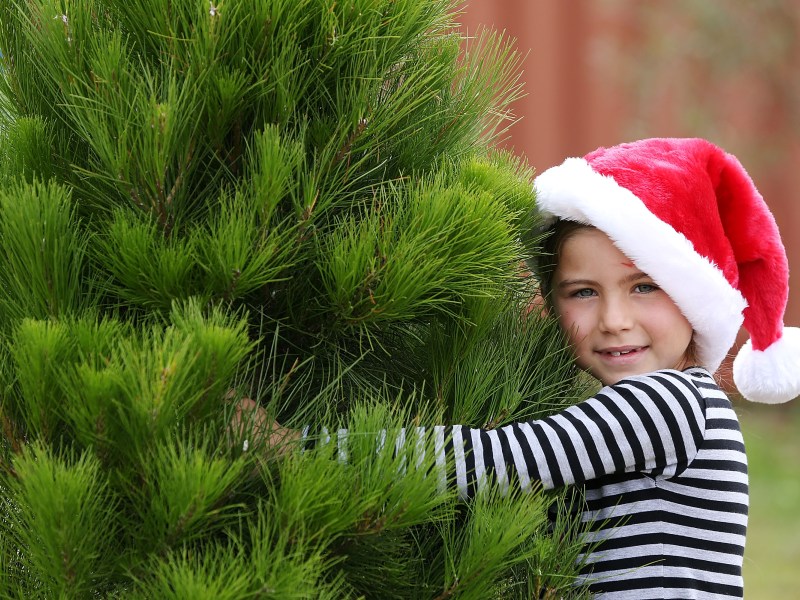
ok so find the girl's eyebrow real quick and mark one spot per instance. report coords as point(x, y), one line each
point(571, 282)
point(627, 279)
point(636, 277)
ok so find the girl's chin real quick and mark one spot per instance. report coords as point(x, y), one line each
point(607, 377)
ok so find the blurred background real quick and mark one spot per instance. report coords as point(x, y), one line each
point(601, 72)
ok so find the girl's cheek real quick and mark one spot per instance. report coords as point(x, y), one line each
point(567, 320)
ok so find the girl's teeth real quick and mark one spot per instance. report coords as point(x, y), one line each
point(619, 353)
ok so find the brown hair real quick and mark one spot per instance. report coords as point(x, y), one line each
point(546, 263)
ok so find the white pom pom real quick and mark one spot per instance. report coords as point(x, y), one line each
point(771, 376)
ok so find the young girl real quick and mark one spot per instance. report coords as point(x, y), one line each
point(659, 250)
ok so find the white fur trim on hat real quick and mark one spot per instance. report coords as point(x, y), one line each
point(573, 191)
point(771, 375)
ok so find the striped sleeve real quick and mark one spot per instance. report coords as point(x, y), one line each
point(652, 424)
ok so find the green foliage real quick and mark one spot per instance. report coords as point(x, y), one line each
point(291, 200)
point(502, 524)
point(505, 368)
point(151, 270)
point(105, 384)
point(29, 144)
point(426, 258)
point(62, 518)
point(540, 572)
point(182, 496)
point(43, 252)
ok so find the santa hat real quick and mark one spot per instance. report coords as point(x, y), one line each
point(689, 216)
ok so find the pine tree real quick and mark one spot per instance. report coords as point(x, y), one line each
point(298, 201)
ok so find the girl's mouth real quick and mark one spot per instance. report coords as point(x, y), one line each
point(619, 352)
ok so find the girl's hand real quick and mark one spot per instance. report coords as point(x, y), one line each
point(250, 423)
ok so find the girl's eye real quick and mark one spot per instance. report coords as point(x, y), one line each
point(583, 293)
point(645, 288)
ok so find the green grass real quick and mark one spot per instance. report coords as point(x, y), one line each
point(772, 554)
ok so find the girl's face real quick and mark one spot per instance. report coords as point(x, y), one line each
point(618, 321)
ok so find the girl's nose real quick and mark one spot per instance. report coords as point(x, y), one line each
point(615, 316)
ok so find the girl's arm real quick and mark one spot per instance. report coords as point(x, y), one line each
point(250, 418)
point(652, 423)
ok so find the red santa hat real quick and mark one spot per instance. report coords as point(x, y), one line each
point(687, 214)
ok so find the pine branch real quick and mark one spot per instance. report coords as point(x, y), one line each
point(295, 199)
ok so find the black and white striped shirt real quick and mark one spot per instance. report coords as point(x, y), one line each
point(663, 466)
point(665, 473)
